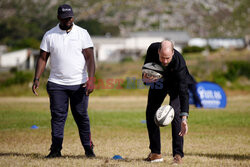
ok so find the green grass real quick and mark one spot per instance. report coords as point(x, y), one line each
point(216, 137)
point(23, 118)
point(21, 115)
point(220, 118)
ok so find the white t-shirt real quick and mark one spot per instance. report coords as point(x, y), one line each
point(67, 61)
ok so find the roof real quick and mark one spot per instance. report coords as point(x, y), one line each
point(105, 40)
point(176, 36)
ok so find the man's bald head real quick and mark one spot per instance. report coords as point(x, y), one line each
point(166, 45)
point(166, 52)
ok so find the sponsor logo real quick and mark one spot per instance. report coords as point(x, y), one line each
point(211, 95)
point(66, 9)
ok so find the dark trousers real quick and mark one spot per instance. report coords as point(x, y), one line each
point(60, 97)
point(155, 100)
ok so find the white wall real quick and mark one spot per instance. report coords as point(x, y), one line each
point(13, 59)
point(141, 42)
point(105, 51)
point(226, 43)
point(200, 42)
point(217, 42)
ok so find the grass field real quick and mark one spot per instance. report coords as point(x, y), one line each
point(217, 137)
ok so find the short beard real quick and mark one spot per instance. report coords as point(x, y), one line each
point(64, 27)
point(164, 65)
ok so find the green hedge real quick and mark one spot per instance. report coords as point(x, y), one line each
point(192, 49)
point(20, 77)
point(236, 69)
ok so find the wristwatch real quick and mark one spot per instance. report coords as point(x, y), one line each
point(36, 79)
point(184, 119)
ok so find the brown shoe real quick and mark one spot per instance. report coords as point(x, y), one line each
point(153, 157)
point(177, 159)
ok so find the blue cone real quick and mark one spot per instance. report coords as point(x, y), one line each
point(117, 157)
point(34, 127)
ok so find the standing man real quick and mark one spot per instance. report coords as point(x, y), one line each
point(175, 83)
point(70, 49)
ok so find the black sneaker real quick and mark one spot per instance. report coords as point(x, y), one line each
point(54, 154)
point(89, 151)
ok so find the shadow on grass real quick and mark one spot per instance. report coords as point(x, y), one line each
point(31, 155)
point(37, 155)
point(221, 156)
point(42, 156)
point(106, 159)
point(209, 155)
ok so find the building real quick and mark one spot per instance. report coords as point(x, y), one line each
point(22, 59)
point(135, 45)
point(235, 43)
point(216, 43)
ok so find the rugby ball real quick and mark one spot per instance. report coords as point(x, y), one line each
point(152, 70)
point(164, 115)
